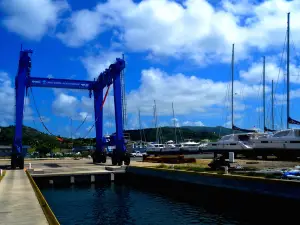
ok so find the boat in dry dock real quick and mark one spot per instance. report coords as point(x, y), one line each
point(283, 144)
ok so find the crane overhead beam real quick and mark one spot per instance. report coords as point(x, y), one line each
point(111, 76)
point(59, 83)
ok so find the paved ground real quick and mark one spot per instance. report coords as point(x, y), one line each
point(71, 165)
point(18, 203)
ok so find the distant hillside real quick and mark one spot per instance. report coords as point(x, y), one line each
point(193, 132)
point(219, 130)
point(30, 136)
point(36, 138)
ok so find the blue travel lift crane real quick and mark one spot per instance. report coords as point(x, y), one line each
point(110, 76)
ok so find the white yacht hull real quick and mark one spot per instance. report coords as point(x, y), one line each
point(227, 147)
point(283, 149)
point(191, 150)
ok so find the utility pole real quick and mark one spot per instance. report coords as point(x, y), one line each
point(232, 79)
point(140, 126)
point(155, 121)
point(288, 70)
point(174, 122)
point(264, 92)
point(272, 109)
point(71, 133)
point(123, 94)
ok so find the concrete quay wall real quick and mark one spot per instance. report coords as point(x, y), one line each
point(263, 186)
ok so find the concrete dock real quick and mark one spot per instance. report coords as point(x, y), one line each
point(18, 202)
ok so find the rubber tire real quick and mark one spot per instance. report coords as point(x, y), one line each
point(127, 160)
point(181, 152)
point(120, 162)
point(13, 162)
point(21, 162)
point(114, 161)
point(103, 160)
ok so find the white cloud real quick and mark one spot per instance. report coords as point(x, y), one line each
point(7, 99)
point(259, 109)
point(191, 28)
point(272, 72)
point(31, 18)
point(281, 99)
point(189, 94)
point(85, 115)
point(45, 119)
point(109, 124)
point(89, 128)
point(175, 121)
point(193, 123)
point(96, 64)
point(65, 105)
point(84, 25)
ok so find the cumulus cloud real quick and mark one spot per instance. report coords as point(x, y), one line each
point(31, 18)
point(259, 109)
point(188, 93)
point(83, 26)
point(190, 29)
point(67, 105)
point(96, 64)
point(273, 71)
point(7, 99)
point(64, 105)
point(193, 123)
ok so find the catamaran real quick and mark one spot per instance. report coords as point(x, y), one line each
point(235, 142)
point(284, 144)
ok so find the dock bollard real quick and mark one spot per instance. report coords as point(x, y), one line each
point(226, 169)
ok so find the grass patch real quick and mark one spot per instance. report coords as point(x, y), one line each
point(253, 174)
point(202, 168)
point(186, 167)
point(3, 174)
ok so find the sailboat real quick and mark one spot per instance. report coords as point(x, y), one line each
point(264, 100)
point(239, 142)
point(284, 144)
point(155, 148)
point(140, 146)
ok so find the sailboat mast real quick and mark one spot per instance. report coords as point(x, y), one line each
point(272, 105)
point(288, 70)
point(155, 121)
point(264, 91)
point(140, 126)
point(174, 122)
point(232, 79)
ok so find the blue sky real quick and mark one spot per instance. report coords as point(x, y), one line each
point(176, 51)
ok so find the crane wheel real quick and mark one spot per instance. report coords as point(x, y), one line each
point(103, 159)
point(21, 162)
point(120, 162)
point(127, 160)
point(13, 162)
point(114, 160)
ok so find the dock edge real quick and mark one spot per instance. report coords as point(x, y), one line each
point(50, 216)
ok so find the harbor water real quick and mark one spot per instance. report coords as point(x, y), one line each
point(142, 203)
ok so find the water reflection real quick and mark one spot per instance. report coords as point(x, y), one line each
point(124, 204)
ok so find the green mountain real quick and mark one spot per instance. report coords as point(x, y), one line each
point(36, 138)
point(219, 130)
point(188, 132)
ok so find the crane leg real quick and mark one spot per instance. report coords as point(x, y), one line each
point(99, 155)
point(120, 154)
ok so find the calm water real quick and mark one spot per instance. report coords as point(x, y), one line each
point(141, 200)
point(127, 204)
